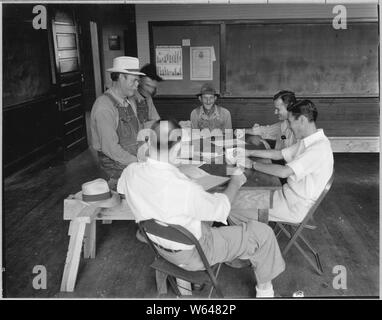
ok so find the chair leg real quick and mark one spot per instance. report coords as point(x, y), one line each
point(215, 285)
point(161, 278)
point(316, 265)
point(314, 252)
point(293, 241)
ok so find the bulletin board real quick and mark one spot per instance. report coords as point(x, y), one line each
point(188, 37)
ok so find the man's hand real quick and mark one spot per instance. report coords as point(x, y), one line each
point(244, 163)
point(255, 140)
point(238, 178)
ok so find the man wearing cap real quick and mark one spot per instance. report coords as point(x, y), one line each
point(114, 119)
point(209, 115)
point(147, 88)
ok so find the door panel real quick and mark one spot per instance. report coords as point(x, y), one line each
point(70, 82)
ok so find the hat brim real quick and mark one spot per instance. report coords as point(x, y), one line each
point(215, 94)
point(136, 73)
point(108, 203)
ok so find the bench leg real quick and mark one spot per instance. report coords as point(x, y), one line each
point(90, 240)
point(73, 256)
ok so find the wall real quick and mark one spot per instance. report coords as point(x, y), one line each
point(349, 118)
point(114, 20)
point(109, 55)
point(145, 13)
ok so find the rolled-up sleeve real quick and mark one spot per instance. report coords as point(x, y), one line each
point(306, 163)
point(206, 206)
point(290, 152)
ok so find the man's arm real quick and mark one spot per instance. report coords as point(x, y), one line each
point(234, 185)
point(214, 207)
point(153, 113)
point(228, 121)
point(194, 119)
point(106, 129)
point(267, 154)
point(273, 169)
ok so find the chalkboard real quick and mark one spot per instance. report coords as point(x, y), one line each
point(180, 35)
point(310, 59)
point(26, 64)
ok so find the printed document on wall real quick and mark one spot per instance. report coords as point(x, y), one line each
point(201, 63)
point(168, 60)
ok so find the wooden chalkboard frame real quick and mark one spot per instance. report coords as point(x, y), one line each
point(223, 49)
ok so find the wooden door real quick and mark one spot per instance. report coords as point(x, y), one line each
point(69, 79)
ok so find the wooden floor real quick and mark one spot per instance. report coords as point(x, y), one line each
point(36, 234)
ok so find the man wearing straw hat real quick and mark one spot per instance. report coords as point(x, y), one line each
point(115, 122)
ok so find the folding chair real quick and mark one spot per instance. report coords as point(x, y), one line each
point(296, 229)
point(179, 234)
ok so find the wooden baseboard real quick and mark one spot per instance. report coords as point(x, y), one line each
point(355, 144)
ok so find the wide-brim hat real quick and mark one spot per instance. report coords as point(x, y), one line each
point(98, 193)
point(129, 65)
point(207, 88)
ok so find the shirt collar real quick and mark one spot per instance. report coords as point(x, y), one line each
point(215, 113)
point(123, 102)
point(318, 135)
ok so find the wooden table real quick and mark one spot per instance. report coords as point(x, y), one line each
point(82, 216)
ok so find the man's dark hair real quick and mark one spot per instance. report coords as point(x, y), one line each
point(288, 97)
point(168, 133)
point(150, 71)
point(114, 76)
point(304, 108)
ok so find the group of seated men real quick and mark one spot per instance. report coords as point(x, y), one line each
point(157, 189)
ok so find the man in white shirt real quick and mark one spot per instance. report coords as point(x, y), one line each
point(280, 132)
point(157, 189)
point(308, 168)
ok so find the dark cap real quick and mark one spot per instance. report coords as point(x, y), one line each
point(151, 71)
point(207, 88)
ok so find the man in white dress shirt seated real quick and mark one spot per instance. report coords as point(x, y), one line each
point(280, 132)
point(308, 168)
point(157, 189)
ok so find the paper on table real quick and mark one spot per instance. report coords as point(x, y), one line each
point(211, 181)
point(207, 155)
point(192, 171)
point(206, 180)
point(228, 143)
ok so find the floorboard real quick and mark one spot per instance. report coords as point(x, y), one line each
point(36, 234)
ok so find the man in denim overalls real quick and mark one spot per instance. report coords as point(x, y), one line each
point(147, 88)
point(116, 119)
